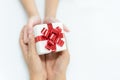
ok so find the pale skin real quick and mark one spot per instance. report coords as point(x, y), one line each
point(51, 66)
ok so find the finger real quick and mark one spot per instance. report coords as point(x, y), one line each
point(43, 59)
point(22, 44)
point(50, 59)
point(26, 34)
point(50, 56)
point(66, 55)
point(21, 38)
point(66, 51)
point(31, 42)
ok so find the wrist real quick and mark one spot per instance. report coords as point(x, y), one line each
point(50, 19)
point(37, 77)
point(56, 76)
point(34, 17)
point(34, 20)
point(33, 14)
point(50, 15)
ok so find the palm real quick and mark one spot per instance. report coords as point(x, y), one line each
point(42, 59)
point(57, 62)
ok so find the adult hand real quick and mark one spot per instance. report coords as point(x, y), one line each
point(56, 63)
point(35, 63)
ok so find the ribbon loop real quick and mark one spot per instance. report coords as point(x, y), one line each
point(53, 37)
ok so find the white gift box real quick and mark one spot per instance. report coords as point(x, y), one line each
point(42, 43)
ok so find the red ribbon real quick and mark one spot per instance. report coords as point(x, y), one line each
point(53, 37)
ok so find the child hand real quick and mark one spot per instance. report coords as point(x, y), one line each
point(53, 20)
point(31, 23)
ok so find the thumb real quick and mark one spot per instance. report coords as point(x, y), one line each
point(31, 42)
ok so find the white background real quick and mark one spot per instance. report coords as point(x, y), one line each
point(94, 40)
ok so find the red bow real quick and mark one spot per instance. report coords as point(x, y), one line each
point(53, 37)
